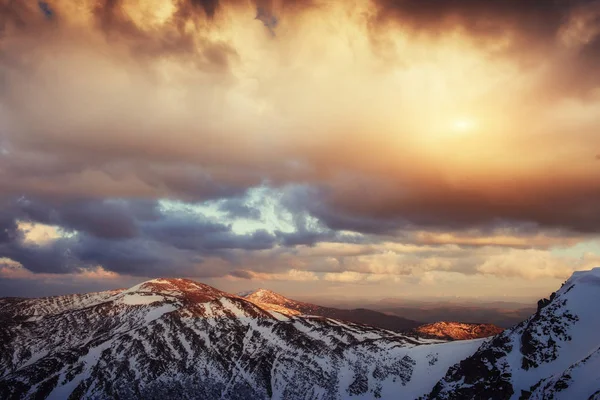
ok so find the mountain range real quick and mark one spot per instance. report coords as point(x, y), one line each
point(447, 330)
point(273, 301)
point(176, 338)
point(498, 313)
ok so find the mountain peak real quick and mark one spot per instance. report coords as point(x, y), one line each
point(267, 296)
point(591, 276)
point(183, 289)
point(270, 300)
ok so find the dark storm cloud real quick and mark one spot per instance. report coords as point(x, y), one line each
point(8, 227)
point(53, 258)
point(132, 237)
point(209, 6)
point(46, 9)
point(316, 201)
point(43, 174)
point(302, 202)
point(565, 205)
point(137, 256)
point(236, 207)
point(191, 182)
point(112, 219)
point(258, 240)
point(533, 21)
point(101, 219)
point(174, 40)
point(528, 31)
point(268, 19)
point(138, 237)
point(34, 22)
point(204, 236)
point(305, 238)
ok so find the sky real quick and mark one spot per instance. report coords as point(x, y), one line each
point(350, 149)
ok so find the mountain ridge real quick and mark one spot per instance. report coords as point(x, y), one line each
point(181, 338)
point(269, 299)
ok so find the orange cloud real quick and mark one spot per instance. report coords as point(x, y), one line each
point(434, 126)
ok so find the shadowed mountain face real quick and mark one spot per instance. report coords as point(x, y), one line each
point(271, 300)
point(176, 338)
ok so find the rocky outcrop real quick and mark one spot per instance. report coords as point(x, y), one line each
point(457, 330)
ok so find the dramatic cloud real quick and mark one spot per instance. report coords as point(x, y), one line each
point(252, 140)
point(140, 237)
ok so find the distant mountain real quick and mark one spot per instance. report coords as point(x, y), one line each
point(457, 330)
point(440, 330)
point(467, 313)
point(274, 301)
point(554, 354)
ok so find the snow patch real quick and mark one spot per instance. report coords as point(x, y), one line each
point(137, 299)
point(158, 312)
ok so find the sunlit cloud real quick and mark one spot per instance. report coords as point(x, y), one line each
point(40, 234)
point(324, 143)
point(292, 275)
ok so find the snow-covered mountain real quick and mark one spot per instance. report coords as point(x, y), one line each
point(554, 354)
point(32, 309)
point(273, 301)
point(176, 338)
point(457, 330)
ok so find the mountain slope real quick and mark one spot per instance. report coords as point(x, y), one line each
point(274, 301)
point(553, 354)
point(173, 338)
point(22, 308)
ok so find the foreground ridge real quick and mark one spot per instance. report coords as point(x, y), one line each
point(551, 355)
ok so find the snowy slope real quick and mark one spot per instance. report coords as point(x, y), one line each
point(21, 308)
point(270, 300)
point(554, 352)
point(579, 381)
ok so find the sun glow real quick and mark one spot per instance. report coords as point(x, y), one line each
point(463, 125)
